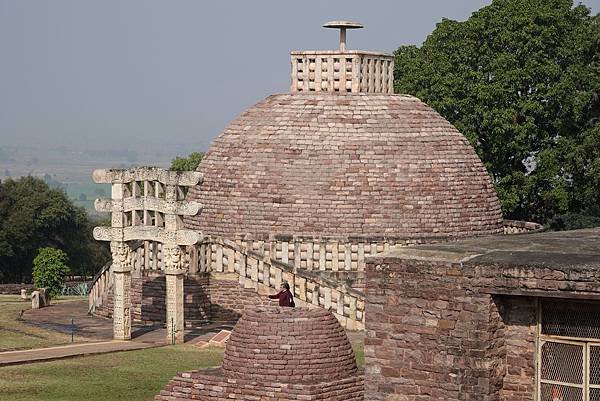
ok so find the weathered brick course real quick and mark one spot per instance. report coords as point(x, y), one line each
point(373, 165)
point(289, 345)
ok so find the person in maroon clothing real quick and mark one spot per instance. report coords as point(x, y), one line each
point(285, 296)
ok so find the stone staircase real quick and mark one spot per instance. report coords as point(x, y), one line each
point(263, 274)
point(231, 277)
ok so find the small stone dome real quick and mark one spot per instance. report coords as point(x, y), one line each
point(288, 345)
point(344, 165)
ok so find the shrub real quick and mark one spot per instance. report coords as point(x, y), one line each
point(49, 270)
point(574, 221)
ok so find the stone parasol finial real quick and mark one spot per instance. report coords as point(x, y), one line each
point(342, 26)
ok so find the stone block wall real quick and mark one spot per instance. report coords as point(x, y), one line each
point(425, 335)
point(148, 299)
point(518, 329)
point(229, 299)
point(442, 330)
point(212, 385)
point(205, 299)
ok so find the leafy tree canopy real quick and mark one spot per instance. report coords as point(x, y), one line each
point(521, 80)
point(33, 216)
point(50, 269)
point(189, 163)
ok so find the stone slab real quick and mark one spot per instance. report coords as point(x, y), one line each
point(564, 249)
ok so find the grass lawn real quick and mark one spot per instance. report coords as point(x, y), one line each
point(131, 376)
point(15, 334)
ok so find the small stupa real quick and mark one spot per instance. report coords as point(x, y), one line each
point(277, 353)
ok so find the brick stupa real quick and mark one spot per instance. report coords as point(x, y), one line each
point(341, 156)
point(277, 353)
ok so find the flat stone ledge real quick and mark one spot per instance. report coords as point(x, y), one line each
point(564, 249)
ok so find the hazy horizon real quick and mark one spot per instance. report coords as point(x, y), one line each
point(92, 75)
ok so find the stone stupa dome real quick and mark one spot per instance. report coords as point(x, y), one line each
point(288, 345)
point(342, 156)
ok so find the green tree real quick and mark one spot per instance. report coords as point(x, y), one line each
point(33, 216)
point(521, 80)
point(189, 163)
point(49, 270)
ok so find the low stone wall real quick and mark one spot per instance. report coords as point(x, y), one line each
point(15, 289)
point(148, 300)
point(521, 227)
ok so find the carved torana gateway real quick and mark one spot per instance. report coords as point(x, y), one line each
point(147, 204)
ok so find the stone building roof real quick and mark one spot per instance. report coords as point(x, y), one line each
point(344, 165)
point(577, 249)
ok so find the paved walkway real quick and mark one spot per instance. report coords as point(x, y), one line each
point(58, 317)
point(68, 351)
point(93, 335)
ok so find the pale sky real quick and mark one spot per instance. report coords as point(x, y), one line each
point(80, 72)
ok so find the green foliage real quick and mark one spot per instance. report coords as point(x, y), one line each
point(521, 80)
point(33, 216)
point(81, 290)
point(49, 270)
point(574, 221)
point(189, 163)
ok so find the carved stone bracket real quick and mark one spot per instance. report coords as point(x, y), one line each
point(121, 256)
point(173, 258)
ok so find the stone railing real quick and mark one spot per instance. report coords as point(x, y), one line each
point(264, 274)
point(352, 71)
point(255, 270)
point(310, 253)
point(521, 227)
point(100, 286)
point(310, 265)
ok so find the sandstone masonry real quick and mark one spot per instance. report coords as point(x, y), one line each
point(459, 321)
